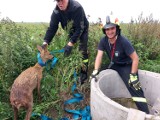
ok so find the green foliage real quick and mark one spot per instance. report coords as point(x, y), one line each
point(15, 53)
point(95, 34)
point(5, 111)
point(144, 34)
point(152, 65)
point(18, 51)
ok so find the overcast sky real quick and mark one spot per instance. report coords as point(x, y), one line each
point(40, 10)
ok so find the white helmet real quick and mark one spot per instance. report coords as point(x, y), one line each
point(111, 22)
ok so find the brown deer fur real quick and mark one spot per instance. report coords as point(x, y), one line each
point(22, 89)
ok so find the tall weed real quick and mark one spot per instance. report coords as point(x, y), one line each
point(144, 34)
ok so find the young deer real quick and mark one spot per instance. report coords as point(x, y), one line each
point(22, 89)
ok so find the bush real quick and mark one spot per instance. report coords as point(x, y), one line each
point(144, 34)
point(15, 53)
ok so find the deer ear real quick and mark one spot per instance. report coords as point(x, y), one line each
point(39, 48)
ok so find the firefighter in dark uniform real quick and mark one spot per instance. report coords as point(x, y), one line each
point(64, 12)
point(123, 59)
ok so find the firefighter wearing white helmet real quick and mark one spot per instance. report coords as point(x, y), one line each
point(123, 59)
point(112, 22)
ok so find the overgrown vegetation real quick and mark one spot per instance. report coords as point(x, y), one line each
point(18, 52)
point(144, 33)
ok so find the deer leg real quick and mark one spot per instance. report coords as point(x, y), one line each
point(29, 111)
point(15, 113)
point(38, 89)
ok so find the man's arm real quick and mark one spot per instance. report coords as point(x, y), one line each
point(135, 61)
point(98, 60)
point(97, 64)
point(53, 27)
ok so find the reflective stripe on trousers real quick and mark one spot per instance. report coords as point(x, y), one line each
point(139, 99)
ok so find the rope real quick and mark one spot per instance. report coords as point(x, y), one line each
point(77, 97)
point(50, 64)
point(84, 114)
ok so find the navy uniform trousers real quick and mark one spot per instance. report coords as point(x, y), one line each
point(137, 95)
point(83, 47)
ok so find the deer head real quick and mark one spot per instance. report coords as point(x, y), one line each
point(44, 53)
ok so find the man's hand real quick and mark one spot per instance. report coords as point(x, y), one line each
point(94, 74)
point(134, 82)
point(67, 50)
point(44, 45)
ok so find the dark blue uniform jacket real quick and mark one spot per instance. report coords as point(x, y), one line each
point(75, 13)
point(123, 49)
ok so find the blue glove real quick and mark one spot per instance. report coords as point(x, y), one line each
point(67, 50)
point(134, 82)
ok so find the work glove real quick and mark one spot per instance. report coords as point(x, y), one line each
point(94, 75)
point(134, 82)
point(67, 50)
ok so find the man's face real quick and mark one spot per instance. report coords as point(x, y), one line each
point(111, 32)
point(62, 4)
